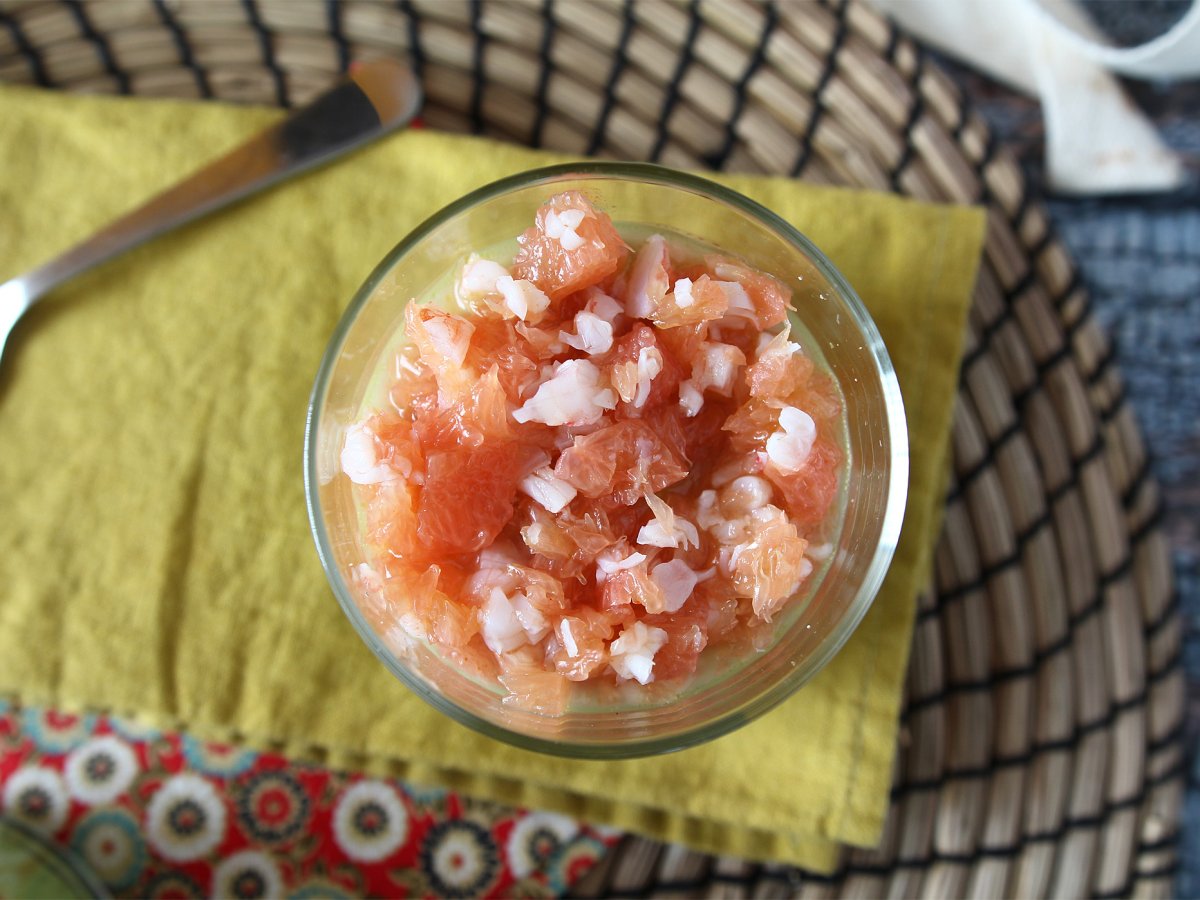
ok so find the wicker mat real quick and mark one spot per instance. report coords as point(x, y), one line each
point(1040, 750)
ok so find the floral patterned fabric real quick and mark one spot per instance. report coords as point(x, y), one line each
point(156, 814)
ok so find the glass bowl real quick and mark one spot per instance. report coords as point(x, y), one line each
point(728, 690)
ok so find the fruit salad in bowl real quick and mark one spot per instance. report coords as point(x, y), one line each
point(605, 460)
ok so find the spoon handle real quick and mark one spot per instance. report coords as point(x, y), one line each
point(378, 97)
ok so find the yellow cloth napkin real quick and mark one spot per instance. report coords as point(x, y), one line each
point(154, 552)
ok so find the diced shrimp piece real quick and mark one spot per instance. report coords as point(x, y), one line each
point(478, 277)
point(820, 552)
point(676, 579)
point(666, 529)
point(690, 303)
point(649, 366)
point(573, 395)
point(620, 557)
point(543, 591)
point(691, 398)
point(498, 555)
point(740, 307)
point(649, 278)
point(552, 492)
point(493, 572)
point(733, 466)
point(656, 587)
point(708, 509)
point(562, 227)
point(523, 299)
point(716, 366)
point(729, 533)
point(507, 623)
point(788, 448)
point(476, 290)
point(603, 306)
point(572, 246)
point(743, 495)
point(363, 457)
point(632, 654)
point(532, 619)
point(593, 335)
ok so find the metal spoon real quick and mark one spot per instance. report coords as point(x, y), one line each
point(377, 98)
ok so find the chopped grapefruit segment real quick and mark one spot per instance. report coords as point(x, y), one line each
point(633, 584)
point(769, 566)
point(621, 461)
point(769, 300)
point(687, 635)
point(501, 345)
point(580, 645)
point(482, 414)
point(691, 303)
point(391, 519)
point(641, 369)
point(809, 493)
point(751, 425)
point(573, 246)
point(780, 370)
point(442, 340)
point(534, 689)
point(684, 342)
point(467, 498)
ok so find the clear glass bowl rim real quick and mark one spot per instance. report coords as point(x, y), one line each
point(885, 548)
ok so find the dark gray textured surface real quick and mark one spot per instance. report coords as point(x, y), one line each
point(1130, 22)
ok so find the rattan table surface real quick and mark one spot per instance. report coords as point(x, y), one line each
point(1060, 583)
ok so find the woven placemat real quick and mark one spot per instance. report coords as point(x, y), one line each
point(1041, 749)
